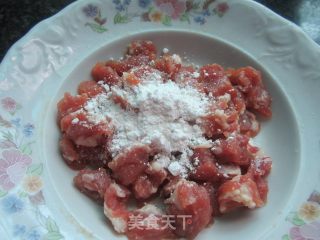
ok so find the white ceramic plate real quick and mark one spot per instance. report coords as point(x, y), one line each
point(37, 199)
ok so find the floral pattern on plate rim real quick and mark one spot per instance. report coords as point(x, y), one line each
point(21, 183)
point(306, 220)
point(158, 11)
point(96, 22)
point(167, 11)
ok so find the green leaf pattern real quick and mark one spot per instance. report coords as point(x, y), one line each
point(118, 19)
point(185, 18)
point(26, 148)
point(51, 226)
point(35, 169)
point(166, 20)
point(294, 218)
point(53, 236)
point(23, 194)
point(285, 237)
point(96, 27)
point(3, 193)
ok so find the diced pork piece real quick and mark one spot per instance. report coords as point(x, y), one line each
point(129, 79)
point(91, 88)
point(70, 154)
point(77, 157)
point(245, 78)
point(156, 174)
point(241, 191)
point(233, 149)
point(170, 186)
point(259, 169)
point(237, 100)
point(147, 74)
point(143, 188)
point(115, 209)
point(93, 183)
point(148, 223)
point(259, 100)
point(249, 81)
point(169, 64)
point(223, 115)
point(222, 118)
point(190, 204)
point(212, 191)
point(187, 75)
point(141, 47)
point(119, 66)
point(125, 65)
point(214, 80)
point(84, 133)
point(129, 165)
point(205, 168)
point(220, 123)
point(148, 183)
point(260, 166)
point(95, 157)
point(228, 171)
point(136, 61)
point(248, 124)
point(263, 188)
point(69, 104)
point(101, 72)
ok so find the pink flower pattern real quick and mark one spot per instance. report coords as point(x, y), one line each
point(37, 199)
point(172, 8)
point(9, 104)
point(306, 220)
point(7, 144)
point(222, 8)
point(314, 197)
point(13, 166)
point(309, 231)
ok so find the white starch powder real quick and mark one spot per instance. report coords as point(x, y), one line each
point(164, 118)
